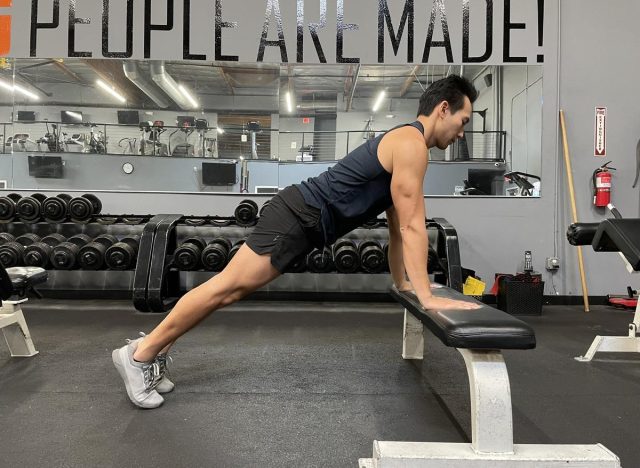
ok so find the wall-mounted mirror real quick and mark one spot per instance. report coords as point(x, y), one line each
point(327, 111)
point(6, 127)
point(254, 128)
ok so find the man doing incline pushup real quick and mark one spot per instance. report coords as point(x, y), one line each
point(383, 174)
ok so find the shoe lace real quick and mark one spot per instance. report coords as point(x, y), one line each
point(162, 359)
point(152, 376)
point(153, 371)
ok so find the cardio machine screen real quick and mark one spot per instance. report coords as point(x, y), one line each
point(218, 173)
point(46, 167)
point(128, 117)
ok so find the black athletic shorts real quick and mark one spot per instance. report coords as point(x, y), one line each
point(283, 229)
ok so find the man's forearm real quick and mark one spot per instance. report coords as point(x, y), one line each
point(415, 245)
point(396, 263)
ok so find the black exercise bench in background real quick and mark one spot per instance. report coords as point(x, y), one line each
point(620, 235)
point(15, 284)
point(480, 336)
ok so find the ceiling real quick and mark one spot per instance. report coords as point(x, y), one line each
point(314, 85)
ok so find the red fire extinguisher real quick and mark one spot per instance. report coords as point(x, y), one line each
point(602, 185)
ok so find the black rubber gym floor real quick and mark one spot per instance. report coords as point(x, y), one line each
point(274, 384)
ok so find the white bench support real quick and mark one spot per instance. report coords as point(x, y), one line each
point(491, 426)
point(413, 337)
point(616, 344)
point(15, 330)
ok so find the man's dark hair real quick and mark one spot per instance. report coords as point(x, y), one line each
point(452, 89)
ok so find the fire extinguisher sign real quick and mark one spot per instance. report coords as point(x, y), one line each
point(600, 143)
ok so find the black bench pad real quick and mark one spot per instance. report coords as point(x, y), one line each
point(620, 235)
point(16, 280)
point(483, 328)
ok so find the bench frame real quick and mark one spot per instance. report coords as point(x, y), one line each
point(491, 424)
point(617, 344)
point(15, 330)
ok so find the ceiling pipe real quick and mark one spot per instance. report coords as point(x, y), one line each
point(353, 89)
point(160, 77)
point(132, 71)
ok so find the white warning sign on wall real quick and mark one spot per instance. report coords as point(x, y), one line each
point(600, 143)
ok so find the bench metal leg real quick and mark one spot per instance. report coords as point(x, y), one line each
point(491, 418)
point(616, 344)
point(492, 432)
point(15, 330)
point(413, 337)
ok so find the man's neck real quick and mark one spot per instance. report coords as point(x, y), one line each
point(428, 123)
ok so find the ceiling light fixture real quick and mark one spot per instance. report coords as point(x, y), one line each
point(379, 100)
point(185, 93)
point(111, 90)
point(289, 102)
point(20, 89)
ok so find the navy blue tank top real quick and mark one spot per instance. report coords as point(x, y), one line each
point(352, 192)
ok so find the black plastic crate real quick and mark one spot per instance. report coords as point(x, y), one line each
point(518, 297)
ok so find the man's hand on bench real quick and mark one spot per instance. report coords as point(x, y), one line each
point(442, 303)
point(439, 303)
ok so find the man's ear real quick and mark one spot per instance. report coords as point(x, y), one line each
point(443, 108)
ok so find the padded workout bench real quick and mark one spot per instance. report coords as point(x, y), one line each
point(480, 336)
point(613, 235)
point(15, 283)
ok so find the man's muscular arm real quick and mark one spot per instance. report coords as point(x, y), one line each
point(409, 168)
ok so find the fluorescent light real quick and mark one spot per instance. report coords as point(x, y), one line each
point(20, 89)
point(220, 130)
point(6, 85)
point(27, 93)
point(289, 102)
point(381, 97)
point(111, 91)
point(185, 93)
point(75, 115)
point(390, 116)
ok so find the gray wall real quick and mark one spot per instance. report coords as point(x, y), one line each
point(582, 70)
point(87, 172)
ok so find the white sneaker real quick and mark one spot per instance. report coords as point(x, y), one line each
point(140, 378)
point(165, 385)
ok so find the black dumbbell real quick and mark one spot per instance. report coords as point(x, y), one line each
point(38, 253)
point(64, 256)
point(29, 209)
point(214, 256)
point(299, 265)
point(56, 209)
point(345, 256)
point(91, 256)
point(235, 248)
point(385, 249)
point(371, 256)
point(320, 261)
point(187, 255)
point(11, 253)
point(6, 237)
point(8, 207)
point(123, 255)
point(82, 209)
point(246, 213)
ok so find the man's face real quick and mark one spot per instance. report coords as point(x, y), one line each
point(451, 125)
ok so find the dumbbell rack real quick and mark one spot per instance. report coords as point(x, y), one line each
point(157, 287)
point(157, 282)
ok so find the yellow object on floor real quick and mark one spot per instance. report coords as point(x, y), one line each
point(473, 287)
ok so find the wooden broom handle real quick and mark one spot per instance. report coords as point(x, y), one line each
point(572, 195)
